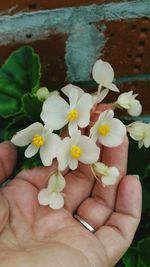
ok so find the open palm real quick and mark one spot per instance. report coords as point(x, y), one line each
point(33, 235)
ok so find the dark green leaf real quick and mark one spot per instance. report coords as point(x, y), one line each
point(144, 248)
point(146, 194)
point(8, 105)
point(32, 107)
point(19, 74)
point(130, 259)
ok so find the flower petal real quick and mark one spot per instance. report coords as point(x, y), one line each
point(112, 87)
point(63, 154)
point(54, 112)
point(90, 151)
point(102, 72)
point(84, 106)
point(73, 98)
point(31, 151)
point(56, 201)
point(73, 164)
point(24, 137)
point(44, 197)
point(116, 135)
point(135, 109)
point(108, 180)
point(72, 127)
point(49, 151)
point(56, 182)
point(66, 89)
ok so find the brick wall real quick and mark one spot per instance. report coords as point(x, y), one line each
point(70, 35)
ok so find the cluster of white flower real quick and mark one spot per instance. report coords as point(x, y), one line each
point(77, 147)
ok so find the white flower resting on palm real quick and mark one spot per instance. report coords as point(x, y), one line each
point(128, 102)
point(77, 148)
point(52, 195)
point(57, 112)
point(107, 175)
point(39, 138)
point(107, 130)
point(140, 131)
point(103, 74)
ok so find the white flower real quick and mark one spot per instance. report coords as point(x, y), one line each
point(108, 130)
point(57, 112)
point(39, 138)
point(52, 195)
point(140, 131)
point(77, 148)
point(103, 74)
point(128, 101)
point(43, 93)
point(108, 175)
point(66, 89)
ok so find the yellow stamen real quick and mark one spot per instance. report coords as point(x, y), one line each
point(104, 129)
point(73, 115)
point(38, 140)
point(75, 152)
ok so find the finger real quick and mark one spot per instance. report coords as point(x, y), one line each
point(4, 212)
point(8, 158)
point(38, 176)
point(118, 232)
point(79, 184)
point(96, 209)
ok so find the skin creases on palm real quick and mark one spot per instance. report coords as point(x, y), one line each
point(37, 235)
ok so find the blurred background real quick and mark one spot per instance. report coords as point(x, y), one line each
point(69, 36)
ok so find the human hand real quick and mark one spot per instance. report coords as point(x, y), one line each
point(33, 235)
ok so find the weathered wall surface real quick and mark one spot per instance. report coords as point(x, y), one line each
point(70, 35)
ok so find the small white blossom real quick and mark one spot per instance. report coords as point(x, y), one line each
point(107, 175)
point(103, 74)
point(108, 130)
point(52, 195)
point(40, 138)
point(128, 101)
point(77, 148)
point(140, 131)
point(57, 112)
point(43, 93)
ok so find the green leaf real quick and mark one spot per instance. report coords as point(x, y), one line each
point(146, 194)
point(19, 74)
point(130, 259)
point(8, 105)
point(32, 162)
point(144, 248)
point(32, 107)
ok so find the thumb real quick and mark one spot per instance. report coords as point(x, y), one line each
point(4, 212)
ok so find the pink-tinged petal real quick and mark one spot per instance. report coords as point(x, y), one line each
point(56, 201)
point(73, 164)
point(72, 127)
point(49, 151)
point(90, 151)
point(54, 112)
point(44, 197)
point(63, 154)
point(24, 137)
point(31, 151)
point(102, 72)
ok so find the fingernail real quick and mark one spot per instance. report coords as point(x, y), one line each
point(137, 176)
